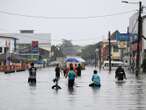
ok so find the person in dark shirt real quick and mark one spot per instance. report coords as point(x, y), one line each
point(56, 79)
point(57, 71)
point(32, 74)
point(79, 70)
point(120, 73)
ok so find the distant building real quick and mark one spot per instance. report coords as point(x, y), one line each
point(122, 40)
point(30, 43)
point(7, 47)
point(25, 50)
point(133, 31)
point(7, 44)
point(119, 50)
point(115, 54)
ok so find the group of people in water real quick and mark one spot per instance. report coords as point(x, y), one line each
point(72, 72)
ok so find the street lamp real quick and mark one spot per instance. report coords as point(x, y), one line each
point(129, 2)
point(139, 34)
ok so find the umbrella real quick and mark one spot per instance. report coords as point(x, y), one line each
point(80, 59)
point(70, 59)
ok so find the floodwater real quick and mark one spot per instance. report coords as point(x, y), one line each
point(16, 94)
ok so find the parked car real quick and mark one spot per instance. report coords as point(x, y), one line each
point(114, 64)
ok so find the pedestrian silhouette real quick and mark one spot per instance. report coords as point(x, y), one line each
point(120, 73)
point(32, 74)
point(71, 77)
point(79, 70)
point(56, 79)
point(57, 71)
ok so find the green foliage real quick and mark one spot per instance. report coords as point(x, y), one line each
point(57, 52)
point(88, 52)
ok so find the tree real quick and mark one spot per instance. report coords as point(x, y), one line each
point(68, 48)
point(57, 52)
point(66, 43)
point(88, 52)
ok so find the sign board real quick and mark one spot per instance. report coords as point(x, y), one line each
point(122, 37)
point(34, 47)
point(122, 44)
point(45, 46)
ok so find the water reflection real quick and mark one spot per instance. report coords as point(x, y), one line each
point(139, 93)
point(95, 89)
point(56, 91)
point(120, 84)
point(71, 90)
point(130, 95)
point(32, 88)
point(32, 84)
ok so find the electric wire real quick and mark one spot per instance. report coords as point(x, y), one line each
point(76, 17)
point(67, 17)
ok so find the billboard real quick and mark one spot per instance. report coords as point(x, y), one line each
point(45, 46)
point(122, 44)
point(122, 37)
point(34, 47)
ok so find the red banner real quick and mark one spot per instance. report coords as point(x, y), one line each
point(35, 47)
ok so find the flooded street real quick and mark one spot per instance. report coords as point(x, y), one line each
point(16, 94)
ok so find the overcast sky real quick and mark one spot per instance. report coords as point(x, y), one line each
point(66, 24)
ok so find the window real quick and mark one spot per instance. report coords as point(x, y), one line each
point(6, 49)
point(1, 49)
point(115, 48)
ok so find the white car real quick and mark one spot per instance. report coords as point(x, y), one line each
point(114, 64)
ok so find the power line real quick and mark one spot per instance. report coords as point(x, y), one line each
point(67, 17)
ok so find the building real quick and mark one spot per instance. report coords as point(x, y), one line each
point(133, 31)
point(122, 40)
point(26, 51)
point(144, 35)
point(119, 51)
point(7, 47)
point(30, 43)
point(104, 50)
point(7, 44)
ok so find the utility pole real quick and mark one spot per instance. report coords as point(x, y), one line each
point(139, 39)
point(109, 57)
